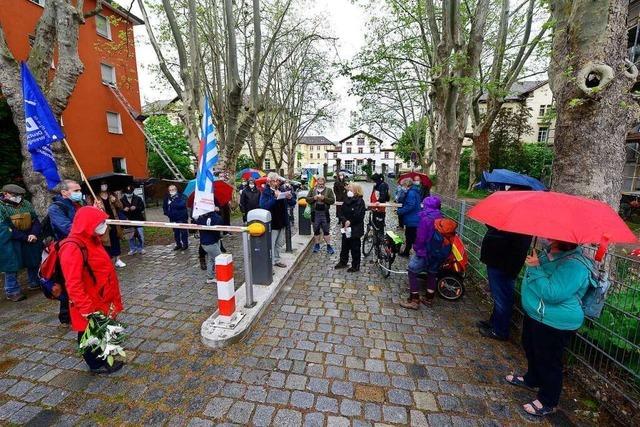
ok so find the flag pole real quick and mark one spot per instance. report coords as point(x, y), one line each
point(82, 175)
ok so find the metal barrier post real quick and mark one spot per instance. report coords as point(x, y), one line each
point(463, 211)
point(248, 276)
point(287, 231)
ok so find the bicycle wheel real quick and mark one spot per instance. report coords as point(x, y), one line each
point(450, 287)
point(367, 242)
point(385, 261)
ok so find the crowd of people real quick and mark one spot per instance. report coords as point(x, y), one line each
point(555, 279)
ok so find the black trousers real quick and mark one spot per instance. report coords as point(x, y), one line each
point(350, 245)
point(410, 233)
point(63, 314)
point(544, 347)
point(91, 357)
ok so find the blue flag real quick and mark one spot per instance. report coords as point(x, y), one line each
point(42, 129)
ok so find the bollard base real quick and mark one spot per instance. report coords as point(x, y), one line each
point(217, 336)
point(228, 322)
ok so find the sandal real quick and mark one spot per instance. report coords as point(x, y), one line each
point(516, 381)
point(541, 411)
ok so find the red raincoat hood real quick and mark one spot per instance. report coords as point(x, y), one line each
point(86, 220)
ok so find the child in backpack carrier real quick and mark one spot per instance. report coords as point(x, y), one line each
point(436, 251)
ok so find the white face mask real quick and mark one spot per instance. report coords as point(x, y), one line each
point(416, 183)
point(173, 193)
point(252, 185)
point(101, 228)
point(16, 199)
point(349, 193)
point(104, 187)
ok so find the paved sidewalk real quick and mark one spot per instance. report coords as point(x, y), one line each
point(334, 349)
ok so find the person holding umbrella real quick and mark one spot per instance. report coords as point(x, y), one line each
point(552, 290)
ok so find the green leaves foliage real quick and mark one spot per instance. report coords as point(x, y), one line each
point(244, 162)
point(174, 142)
point(412, 139)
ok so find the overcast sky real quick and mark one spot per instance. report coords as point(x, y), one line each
point(345, 20)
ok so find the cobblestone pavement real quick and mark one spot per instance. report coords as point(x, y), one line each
point(334, 350)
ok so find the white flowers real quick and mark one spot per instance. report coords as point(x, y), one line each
point(104, 336)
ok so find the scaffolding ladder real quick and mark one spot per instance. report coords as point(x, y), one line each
point(155, 145)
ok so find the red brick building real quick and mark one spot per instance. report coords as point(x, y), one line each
point(99, 129)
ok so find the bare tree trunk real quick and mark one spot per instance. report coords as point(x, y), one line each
point(591, 85)
point(481, 151)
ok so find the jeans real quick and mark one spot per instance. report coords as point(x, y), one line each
point(181, 236)
point(352, 245)
point(114, 250)
point(136, 243)
point(277, 237)
point(11, 285)
point(418, 264)
point(212, 251)
point(91, 357)
point(502, 289)
point(544, 347)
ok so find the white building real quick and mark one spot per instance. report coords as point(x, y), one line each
point(359, 149)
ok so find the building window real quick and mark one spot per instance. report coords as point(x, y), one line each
point(361, 140)
point(544, 109)
point(348, 165)
point(38, 2)
point(348, 150)
point(114, 124)
point(103, 26)
point(633, 44)
point(349, 142)
point(318, 155)
point(108, 74)
point(119, 164)
point(543, 134)
point(360, 150)
point(267, 164)
point(386, 154)
point(335, 155)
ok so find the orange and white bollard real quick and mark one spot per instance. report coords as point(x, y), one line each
point(226, 288)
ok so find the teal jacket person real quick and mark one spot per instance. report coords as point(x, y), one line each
point(552, 292)
point(16, 252)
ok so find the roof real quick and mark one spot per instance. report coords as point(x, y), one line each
point(158, 107)
point(113, 6)
point(520, 90)
point(362, 132)
point(315, 140)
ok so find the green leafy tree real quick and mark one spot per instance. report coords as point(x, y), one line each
point(244, 162)
point(505, 150)
point(174, 142)
point(413, 140)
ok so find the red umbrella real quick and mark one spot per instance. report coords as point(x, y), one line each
point(424, 178)
point(223, 192)
point(552, 215)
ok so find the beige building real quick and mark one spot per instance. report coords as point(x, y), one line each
point(312, 150)
point(537, 97)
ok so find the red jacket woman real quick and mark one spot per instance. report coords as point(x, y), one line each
point(87, 295)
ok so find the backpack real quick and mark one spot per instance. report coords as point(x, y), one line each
point(439, 247)
point(592, 301)
point(459, 259)
point(52, 279)
point(47, 232)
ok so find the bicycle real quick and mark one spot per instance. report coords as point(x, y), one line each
point(386, 245)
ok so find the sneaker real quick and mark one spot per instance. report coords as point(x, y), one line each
point(211, 280)
point(142, 252)
point(411, 304)
point(352, 270)
point(34, 287)
point(17, 297)
point(340, 265)
point(485, 324)
point(120, 264)
point(184, 248)
point(131, 252)
point(177, 248)
point(489, 333)
point(316, 248)
point(280, 264)
point(203, 264)
point(330, 250)
point(106, 369)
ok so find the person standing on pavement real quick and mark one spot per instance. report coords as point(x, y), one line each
point(175, 207)
point(504, 254)
point(20, 245)
point(272, 201)
point(249, 199)
point(552, 290)
point(320, 198)
point(112, 206)
point(379, 194)
point(61, 213)
point(210, 240)
point(133, 208)
point(340, 190)
point(409, 212)
point(94, 290)
point(400, 194)
point(352, 220)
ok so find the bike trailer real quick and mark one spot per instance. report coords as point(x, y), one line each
point(394, 241)
point(458, 260)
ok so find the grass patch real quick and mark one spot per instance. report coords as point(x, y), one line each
point(634, 226)
point(472, 194)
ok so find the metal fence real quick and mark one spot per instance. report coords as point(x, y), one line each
point(608, 347)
